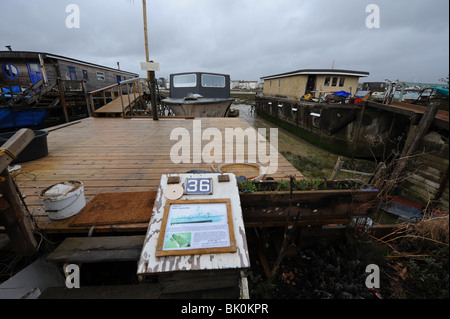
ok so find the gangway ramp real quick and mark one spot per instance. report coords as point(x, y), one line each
point(118, 99)
point(115, 107)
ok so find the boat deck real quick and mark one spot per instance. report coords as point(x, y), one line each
point(408, 109)
point(114, 155)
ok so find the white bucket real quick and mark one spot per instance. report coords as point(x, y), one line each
point(63, 200)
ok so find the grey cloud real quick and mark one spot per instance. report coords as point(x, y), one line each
point(245, 38)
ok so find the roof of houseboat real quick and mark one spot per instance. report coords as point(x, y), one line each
point(317, 72)
point(35, 55)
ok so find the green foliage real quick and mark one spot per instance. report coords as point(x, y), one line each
point(283, 186)
point(247, 186)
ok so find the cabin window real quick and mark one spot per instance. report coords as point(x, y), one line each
point(119, 78)
point(327, 81)
point(334, 83)
point(85, 75)
point(185, 81)
point(10, 71)
point(270, 83)
point(279, 83)
point(72, 73)
point(341, 81)
point(213, 81)
point(100, 76)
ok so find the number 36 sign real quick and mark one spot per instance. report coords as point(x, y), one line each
point(198, 186)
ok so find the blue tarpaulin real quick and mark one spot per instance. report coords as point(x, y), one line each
point(441, 91)
point(10, 118)
point(342, 93)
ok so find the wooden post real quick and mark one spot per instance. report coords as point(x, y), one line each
point(63, 100)
point(12, 212)
point(129, 101)
point(121, 100)
point(91, 98)
point(86, 97)
point(337, 168)
point(150, 74)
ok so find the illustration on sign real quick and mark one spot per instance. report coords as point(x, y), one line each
point(196, 227)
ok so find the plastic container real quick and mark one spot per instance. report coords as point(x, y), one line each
point(63, 200)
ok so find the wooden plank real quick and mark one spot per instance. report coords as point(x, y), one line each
point(14, 217)
point(63, 100)
point(116, 155)
point(98, 249)
point(13, 146)
point(115, 106)
point(411, 145)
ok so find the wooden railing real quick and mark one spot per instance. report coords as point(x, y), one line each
point(130, 93)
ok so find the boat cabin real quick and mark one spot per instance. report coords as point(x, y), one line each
point(20, 69)
point(317, 82)
point(208, 85)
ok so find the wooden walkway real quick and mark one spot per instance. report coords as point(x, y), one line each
point(115, 155)
point(115, 106)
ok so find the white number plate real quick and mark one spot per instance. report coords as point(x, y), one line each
point(198, 186)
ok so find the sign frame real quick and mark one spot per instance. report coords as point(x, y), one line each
point(232, 248)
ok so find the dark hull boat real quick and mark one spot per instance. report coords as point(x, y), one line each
point(199, 94)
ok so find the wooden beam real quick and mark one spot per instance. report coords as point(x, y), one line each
point(91, 99)
point(86, 97)
point(41, 92)
point(14, 217)
point(12, 147)
point(150, 74)
point(103, 89)
point(98, 249)
point(63, 100)
point(21, 95)
point(337, 168)
point(12, 213)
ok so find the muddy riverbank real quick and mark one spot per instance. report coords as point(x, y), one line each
point(310, 160)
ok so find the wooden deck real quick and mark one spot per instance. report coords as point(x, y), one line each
point(115, 155)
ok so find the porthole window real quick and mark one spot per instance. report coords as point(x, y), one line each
point(10, 71)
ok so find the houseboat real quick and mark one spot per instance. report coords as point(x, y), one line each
point(36, 87)
point(320, 106)
point(199, 94)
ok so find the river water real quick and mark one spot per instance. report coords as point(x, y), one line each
point(310, 160)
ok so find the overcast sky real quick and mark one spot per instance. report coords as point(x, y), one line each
point(244, 38)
